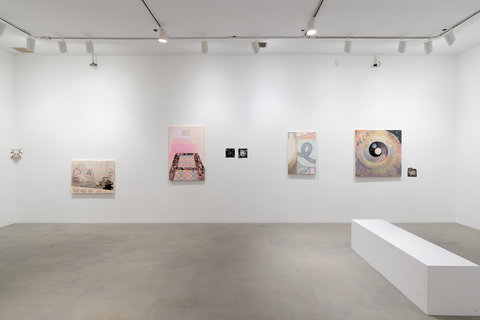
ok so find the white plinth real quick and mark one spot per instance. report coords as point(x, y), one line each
point(438, 281)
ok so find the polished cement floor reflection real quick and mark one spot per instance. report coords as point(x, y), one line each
point(202, 272)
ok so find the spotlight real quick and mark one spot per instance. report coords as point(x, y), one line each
point(376, 62)
point(163, 36)
point(428, 46)
point(450, 37)
point(311, 30)
point(402, 46)
point(62, 46)
point(204, 46)
point(30, 45)
point(348, 46)
point(2, 28)
point(94, 64)
point(89, 46)
point(255, 46)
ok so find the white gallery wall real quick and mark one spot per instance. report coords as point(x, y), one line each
point(122, 110)
point(7, 139)
point(468, 139)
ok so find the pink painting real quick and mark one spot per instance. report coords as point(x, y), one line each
point(186, 152)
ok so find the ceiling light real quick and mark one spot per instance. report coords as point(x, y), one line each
point(89, 46)
point(94, 64)
point(402, 46)
point(163, 36)
point(30, 45)
point(311, 30)
point(255, 46)
point(450, 37)
point(204, 46)
point(2, 28)
point(376, 62)
point(62, 46)
point(348, 46)
point(428, 46)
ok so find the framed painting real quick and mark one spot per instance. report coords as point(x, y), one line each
point(93, 176)
point(378, 153)
point(186, 146)
point(302, 153)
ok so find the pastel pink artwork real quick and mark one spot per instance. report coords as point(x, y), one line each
point(181, 146)
point(186, 153)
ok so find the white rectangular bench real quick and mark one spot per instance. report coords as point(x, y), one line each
point(438, 281)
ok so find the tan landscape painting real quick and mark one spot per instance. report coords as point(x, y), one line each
point(93, 176)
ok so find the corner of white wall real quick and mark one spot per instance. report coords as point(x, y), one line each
point(467, 190)
point(8, 183)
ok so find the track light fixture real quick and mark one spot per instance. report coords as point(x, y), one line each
point(162, 38)
point(311, 30)
point(2, 28)
point(62, 46)
point(450, 37)
point(402, 46)
point(428, 46)
point(89, 46)
point(255, 46)
point(94, 64)
point(347, 48)
point(376, 62)
point(204, 46)
point(30, 44)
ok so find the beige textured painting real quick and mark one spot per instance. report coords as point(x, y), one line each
point(93, 176)
point(378, 153)
point(302, 153)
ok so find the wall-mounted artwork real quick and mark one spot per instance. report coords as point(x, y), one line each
point(230, 153)
point(242, 153)
point(93, 176)
point(186, 147)
point(378, 153)
point(412, 172)
point(302, 153)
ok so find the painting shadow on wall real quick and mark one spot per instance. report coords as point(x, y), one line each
point(301, 177)
point(376, 179)
point(93, 196)
point(186, 182)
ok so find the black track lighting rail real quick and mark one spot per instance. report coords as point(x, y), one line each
point(151, 13)
point(13, 25)
point(457, 24)
point(318, 8)
point(244, 37)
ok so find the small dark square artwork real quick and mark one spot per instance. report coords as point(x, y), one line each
point(242, 153)
point(411, 172)
point(230, 153)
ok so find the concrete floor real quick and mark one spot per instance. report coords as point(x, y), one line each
point(202, 271)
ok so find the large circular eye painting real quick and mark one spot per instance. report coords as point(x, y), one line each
point(378, 153)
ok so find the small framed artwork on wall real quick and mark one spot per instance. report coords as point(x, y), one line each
point(411, 172)
point(230, 153)
point(242, 153)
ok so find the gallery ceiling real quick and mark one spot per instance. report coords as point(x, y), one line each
point(247, 18)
